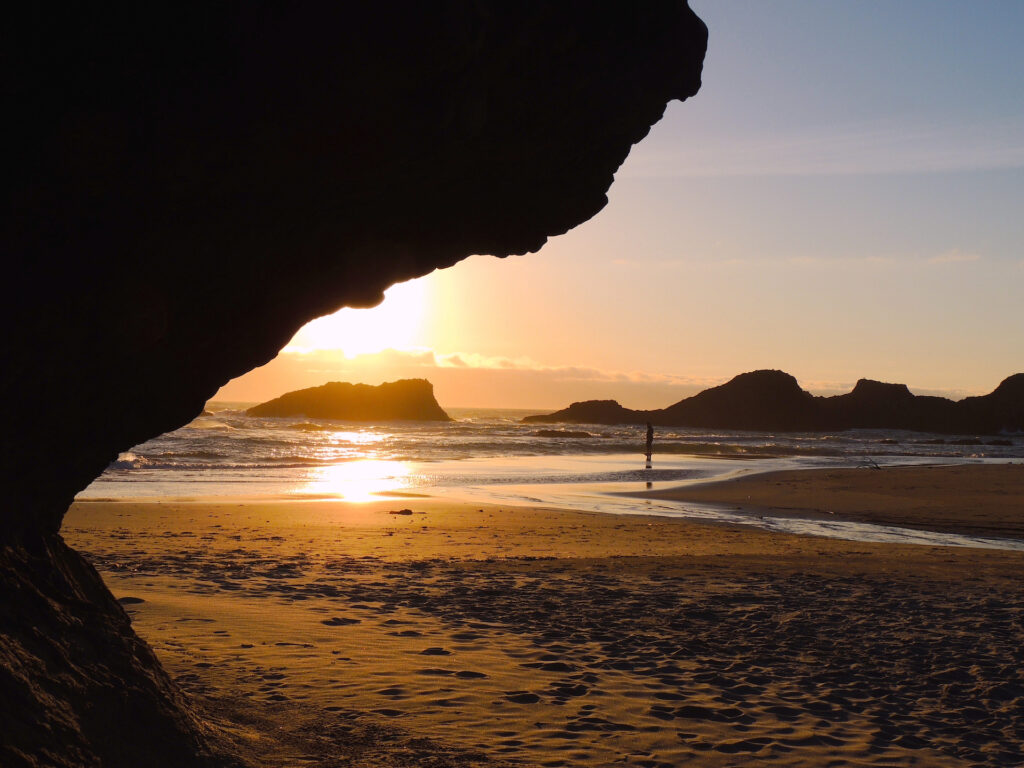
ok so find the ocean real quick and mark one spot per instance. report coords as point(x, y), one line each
point(489, 455)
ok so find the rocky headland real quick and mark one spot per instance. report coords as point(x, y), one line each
point(774, 401)
point(403, 400)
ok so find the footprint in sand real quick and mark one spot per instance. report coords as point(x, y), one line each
point(568, 690)
point(550, 666)
point(435, 651)
point(662, 712)
point(340, 621)
point(522, 697)
point(130, 600)
point(744, 745)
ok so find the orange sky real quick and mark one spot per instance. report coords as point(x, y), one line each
point(486, 338)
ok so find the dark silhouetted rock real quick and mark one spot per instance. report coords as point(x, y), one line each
point(774, 401)
point(405, 400)
point(590, 412)
point(77, 687)
point(191, 183)
point(760, 400)
point(1002, 410)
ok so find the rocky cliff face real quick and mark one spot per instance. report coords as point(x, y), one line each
point(194, 182)
point(774, 401)
point(405, 400)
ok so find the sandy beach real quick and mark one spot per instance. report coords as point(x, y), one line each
point(973, 499)
point(330, 633)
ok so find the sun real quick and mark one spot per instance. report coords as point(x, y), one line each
point(395, 323)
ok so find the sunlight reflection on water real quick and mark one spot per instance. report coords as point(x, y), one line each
point(363, 437)
point(360, 481)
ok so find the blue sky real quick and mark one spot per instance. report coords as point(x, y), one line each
point(852, 87)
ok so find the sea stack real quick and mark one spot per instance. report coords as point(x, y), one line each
point(403, 400)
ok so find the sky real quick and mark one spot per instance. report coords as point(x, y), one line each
point(843, 199)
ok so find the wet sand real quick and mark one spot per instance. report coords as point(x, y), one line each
point(325, 633)
point(971, 499)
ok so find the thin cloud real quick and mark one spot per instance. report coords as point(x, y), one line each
point(841, 261)
point(323, 361)
point(954, 257)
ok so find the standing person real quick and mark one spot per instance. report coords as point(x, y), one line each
point(650, 443)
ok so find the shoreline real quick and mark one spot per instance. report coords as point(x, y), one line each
point(955, 505)
point(985, 500)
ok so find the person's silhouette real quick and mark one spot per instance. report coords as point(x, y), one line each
point(650, 443)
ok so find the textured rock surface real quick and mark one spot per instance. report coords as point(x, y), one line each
point(773, 400)
point(407, 399)
point(194, 182)
point(77, 687)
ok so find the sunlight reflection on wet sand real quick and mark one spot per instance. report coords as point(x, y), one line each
point(360, 481)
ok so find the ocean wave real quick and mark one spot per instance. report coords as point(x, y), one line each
point(252, 450)
point(129, 460)
point(309, 426)
point(134, 462)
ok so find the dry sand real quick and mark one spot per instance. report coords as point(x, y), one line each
point(325, 633)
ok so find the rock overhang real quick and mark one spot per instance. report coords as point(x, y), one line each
point(196, 181)
point(199, 181)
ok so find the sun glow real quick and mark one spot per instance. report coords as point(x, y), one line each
point(360, 481)
point(395, 323)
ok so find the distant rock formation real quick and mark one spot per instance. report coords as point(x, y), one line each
point(404, 400)
point(761, 400)
point(591, 412)
point(774, 401)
